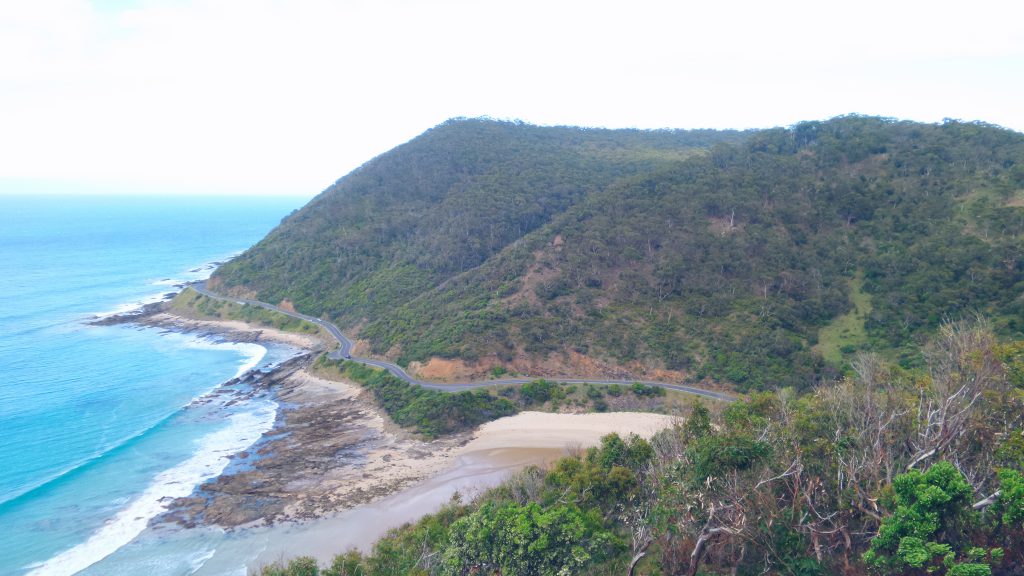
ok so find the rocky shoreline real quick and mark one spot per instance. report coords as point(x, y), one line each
point(158, 315)
point(331, 448)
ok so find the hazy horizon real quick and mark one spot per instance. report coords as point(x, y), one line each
point(57, 188)
point(262, 97)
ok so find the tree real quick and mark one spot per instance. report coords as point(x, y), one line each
point(526, 539)
point(926, 531)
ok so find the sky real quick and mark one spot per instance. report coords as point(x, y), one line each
point(285, 97)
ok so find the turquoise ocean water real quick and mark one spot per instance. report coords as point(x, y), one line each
point(100, 426)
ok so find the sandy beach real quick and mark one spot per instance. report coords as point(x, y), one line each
point(496, 450)
point(547, 430)
point(332, 449)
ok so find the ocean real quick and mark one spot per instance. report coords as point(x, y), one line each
point(101, 425)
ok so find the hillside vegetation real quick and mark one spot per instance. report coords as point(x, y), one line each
point(888, 471)
point(721, 255)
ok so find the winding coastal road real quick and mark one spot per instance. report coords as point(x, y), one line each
point(344, 351)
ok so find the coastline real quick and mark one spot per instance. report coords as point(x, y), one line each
point(330, 447)
point(103, 424)
point(497, 450)
point(333, 455)
point(155, 315)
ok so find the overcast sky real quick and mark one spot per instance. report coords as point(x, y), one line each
point(275, 97)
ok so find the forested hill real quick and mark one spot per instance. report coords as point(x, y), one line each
point(722, 255)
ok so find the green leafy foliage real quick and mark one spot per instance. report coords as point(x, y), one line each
point(646, 390)
point(603, 476)
point(717, 454)
point(1010, 505)
point(698, 425)
point(929, 506)
point(1012, 356)
point(553, 396)
point(526, 539)
point(777, 483)
point(721, 254)
point(539, 392)
point(429, 412)
point(301, 566)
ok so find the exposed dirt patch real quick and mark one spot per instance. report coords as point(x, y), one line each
point(361, 348)
point(665, 375)
point(570, 364)
point(446, 370)
point(287, 304)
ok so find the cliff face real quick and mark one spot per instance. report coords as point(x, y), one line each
point(714, 254)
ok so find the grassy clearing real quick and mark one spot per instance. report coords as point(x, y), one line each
point(192, 304)
point(846, 333)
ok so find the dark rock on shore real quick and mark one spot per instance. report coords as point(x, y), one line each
point(137, 316)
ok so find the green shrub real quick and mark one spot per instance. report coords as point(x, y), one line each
point(301, 566)
point(932, 508)
point(512, 538)
point(644, 390)
point(430, 412)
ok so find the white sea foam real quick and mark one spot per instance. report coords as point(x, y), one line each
point(253, 352)
point(210, 459)
point(197, 560)
point(129, 307)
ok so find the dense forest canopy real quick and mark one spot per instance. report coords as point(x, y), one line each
point(760, 259)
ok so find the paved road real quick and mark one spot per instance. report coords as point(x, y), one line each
point(344, 351)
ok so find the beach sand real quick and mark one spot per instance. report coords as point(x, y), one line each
point(332, 449)
point(496, 450)
point(547, 430)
